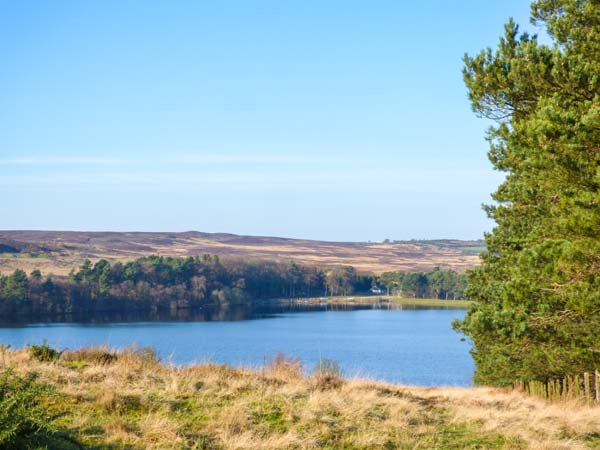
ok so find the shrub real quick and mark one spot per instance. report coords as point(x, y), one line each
point(285, 367)
point(44, 352)
point(24, 421)
point(143, 357)
point(327, 374)
point(95, 355)
point(147, 355)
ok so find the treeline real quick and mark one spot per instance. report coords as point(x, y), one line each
point(440, 284)
point(536, 315)
point(156, 282)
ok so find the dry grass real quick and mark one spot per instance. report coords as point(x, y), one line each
point(130, 400)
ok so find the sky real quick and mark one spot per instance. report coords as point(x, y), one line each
point(335, 120)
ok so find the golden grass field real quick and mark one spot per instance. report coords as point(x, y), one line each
point(58, 252)
point(129, 400)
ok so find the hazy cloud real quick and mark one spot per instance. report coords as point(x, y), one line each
point(368, 180)
point(198, 159)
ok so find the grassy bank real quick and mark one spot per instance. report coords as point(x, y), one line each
point(129, 400)
point(389, 300)
point(432, 303)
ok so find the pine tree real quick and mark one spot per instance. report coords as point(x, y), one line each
point(537, 314)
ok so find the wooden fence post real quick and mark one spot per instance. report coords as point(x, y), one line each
point(586, 387)
point(576, 387)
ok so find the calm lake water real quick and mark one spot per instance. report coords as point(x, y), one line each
point(414, 346)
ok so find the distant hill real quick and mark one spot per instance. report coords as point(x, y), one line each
point(59, 251)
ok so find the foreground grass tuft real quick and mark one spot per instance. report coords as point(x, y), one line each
point(102, 399)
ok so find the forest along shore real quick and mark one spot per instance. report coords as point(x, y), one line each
point(97, 397)
point(175, 283)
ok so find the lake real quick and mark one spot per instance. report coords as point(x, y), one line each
point(409, 346)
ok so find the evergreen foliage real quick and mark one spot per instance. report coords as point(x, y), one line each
point(25, 422)
point(44, 352)
point(157, 283)
point(439, 284)
point(537, 314)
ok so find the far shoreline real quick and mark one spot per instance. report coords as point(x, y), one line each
point(383, 301)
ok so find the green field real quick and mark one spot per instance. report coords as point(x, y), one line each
point(389, 300)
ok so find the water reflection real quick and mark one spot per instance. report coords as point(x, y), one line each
point(207, 313)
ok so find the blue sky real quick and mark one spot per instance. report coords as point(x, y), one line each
point(336, 120)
